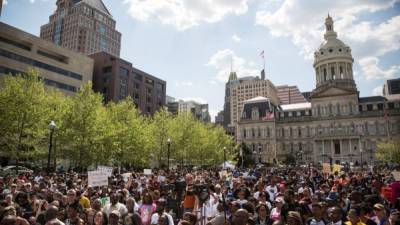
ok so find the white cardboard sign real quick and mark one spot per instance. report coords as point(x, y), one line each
point(106, 169)
point(97, 178)
point(147, 171)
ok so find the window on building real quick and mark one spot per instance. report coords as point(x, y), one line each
point(325, 74)
point(107, 69)
point(333, 73)
point(341, 71)
point(299, 131)
point(337, 147)
point(369, 107)
point(123, 72)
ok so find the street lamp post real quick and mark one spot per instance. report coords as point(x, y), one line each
point(224, 157)
point(52, 127)
point(169, 145)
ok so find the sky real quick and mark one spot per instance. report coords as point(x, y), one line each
point(191, 43)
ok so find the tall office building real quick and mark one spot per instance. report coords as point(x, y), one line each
point(290, 94)
point(200, 111)
point(84, 26)
point(61, 68)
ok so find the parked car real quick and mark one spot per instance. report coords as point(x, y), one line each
point(12, 170)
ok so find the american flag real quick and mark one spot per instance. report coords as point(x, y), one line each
point(269, 116)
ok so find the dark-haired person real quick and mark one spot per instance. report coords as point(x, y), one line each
point(100, 218)
point(365, 214)
point(263, 215)
point(73, 211)
point(353, 217)
point(335, 216)
point(317, 216)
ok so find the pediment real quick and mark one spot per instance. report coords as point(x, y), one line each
point(332, 91)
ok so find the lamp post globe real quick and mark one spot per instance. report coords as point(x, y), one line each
point(168, 145)
point(52, 127)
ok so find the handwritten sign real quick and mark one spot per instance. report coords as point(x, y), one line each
point(106, 169)
point(97, 178)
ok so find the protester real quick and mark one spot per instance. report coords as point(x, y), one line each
point(265, 196)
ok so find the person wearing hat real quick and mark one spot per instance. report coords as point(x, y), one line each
point(294, 218)
point(275, 214)
point(381, 217)
point(394, 218)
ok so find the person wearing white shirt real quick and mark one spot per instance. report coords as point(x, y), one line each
point(272, 190)
point(161, 203)
point(115, 205)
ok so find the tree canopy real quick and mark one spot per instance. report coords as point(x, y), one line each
point(90, 133)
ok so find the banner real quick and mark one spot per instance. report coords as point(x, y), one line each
point(97, 178)
point(106, 169)
point(326, 167)
point(147, 171)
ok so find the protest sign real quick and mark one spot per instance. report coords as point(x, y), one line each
point(97, 178)
point(326, 167)
point(104, 201)
point(147, 171)
point(106, 169)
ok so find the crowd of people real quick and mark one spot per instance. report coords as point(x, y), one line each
point(263, 196)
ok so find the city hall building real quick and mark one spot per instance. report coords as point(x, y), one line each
point(334, 123)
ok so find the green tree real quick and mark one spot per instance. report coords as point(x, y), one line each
point(24, 116)
point(159, 132)
point(388, 151)
point(81, 134)
point(128, 133)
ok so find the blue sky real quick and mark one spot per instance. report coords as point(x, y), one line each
point(190, 43)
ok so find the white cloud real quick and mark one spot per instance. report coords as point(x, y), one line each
point(302, 22)
point(196, 99)
point(221, 61)
point(378, 91)
point(370, 68)
point(183, 84)
point(236, 38)
point(184, 14)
